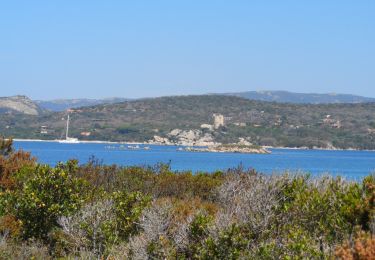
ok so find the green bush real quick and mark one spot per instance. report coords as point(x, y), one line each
point(46, 194)
point(231, 243)
point(128, 208)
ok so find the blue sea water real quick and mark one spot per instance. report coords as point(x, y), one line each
point(350, 164)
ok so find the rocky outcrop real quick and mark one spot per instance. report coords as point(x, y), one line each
point(193, 137)
point(160, 140)
point(244, 141)
point(230, 149)
point(197, 141)
point(19, 104)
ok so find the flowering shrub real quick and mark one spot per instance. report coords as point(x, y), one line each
point(46, 194)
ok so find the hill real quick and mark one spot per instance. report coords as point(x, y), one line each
point(300, 98)
point(19, 104)
point(59, 105)
point(64, 104)
point(185, 118)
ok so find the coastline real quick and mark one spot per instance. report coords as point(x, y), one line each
point(318, 149)
point(163, 144)
point(80, 141)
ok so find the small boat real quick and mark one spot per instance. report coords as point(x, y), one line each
point(146, 148)
point(68, 140)
point(133, 147)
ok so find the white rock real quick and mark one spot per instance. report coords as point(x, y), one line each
point(207, 126)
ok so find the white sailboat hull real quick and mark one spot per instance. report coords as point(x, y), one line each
point(70, 141)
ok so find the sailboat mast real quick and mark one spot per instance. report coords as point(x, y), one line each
point(68, 140)
point(67, 127)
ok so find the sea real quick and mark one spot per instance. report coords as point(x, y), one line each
point(352, 165)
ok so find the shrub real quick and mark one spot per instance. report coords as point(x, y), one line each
point(367, 205)
point(250, 199)
point(88, 229)
point(27, 250)
point(47, 194)
point(361, 247)
point(6, 146)
point(128, 209)
point(10, 225)
point(231, 243)
point(155, 224)
point(11, 165)
point(101, 224)
point(326, 208)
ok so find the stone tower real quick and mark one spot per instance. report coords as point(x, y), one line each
point(218, 120)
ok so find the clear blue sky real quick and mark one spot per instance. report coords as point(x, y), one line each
point(94, 49)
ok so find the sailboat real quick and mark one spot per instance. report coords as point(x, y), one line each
point(68, 140)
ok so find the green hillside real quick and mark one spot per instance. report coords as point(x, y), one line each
point(262, 123)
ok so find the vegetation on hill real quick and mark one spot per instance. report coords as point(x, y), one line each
point(95, 211)
point(260, 123)
point(301, 98)
point(271, 96)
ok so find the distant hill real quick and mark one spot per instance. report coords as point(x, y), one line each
point(59, 105)
point(259, 122)
point(300, 98)
point(64, 104)
point(19, 104)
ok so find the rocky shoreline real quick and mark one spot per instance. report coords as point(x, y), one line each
point(229, 149)
point(189, 145)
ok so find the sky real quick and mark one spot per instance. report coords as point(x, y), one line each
point(139, 48)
